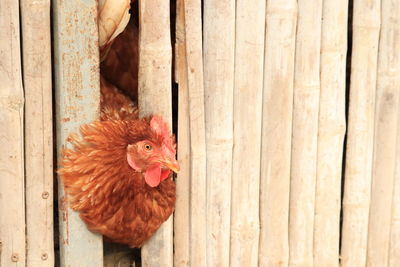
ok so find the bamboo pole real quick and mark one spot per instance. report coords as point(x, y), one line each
point(35, 18)
point(280, 37)
point(332, 125)
point(198, 168)
point(248, 86)
point(182, 208)
point(305, 132)
point(219, 38)
point(155, 98)
point(12, 208)
point(359, 149)
point(394, 246)
point(387, 110)
point(77, 95)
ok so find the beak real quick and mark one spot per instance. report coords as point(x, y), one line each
point(173, 165)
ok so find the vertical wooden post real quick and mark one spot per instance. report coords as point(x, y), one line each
point(155, 98)
point(387, 110)
point(182, 208)
point(247, 104)
point(219, 52)
point(35, 18)
point(280, 39)
point(359, 149)
point(76, 55)
point(394, 246)
point(332, 125)
point(305, 132)
point(12, 202)
point(198, 168)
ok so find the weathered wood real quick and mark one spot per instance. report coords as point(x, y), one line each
point(12, 202)
point(219, 52)
point(331, 130)
point(155, 98)
point(182, 208)
point(198, 159)
point(36, 44)
point(77, 102)
point(394, 246)
point(247, 104)
point(305, 132)
point(359, 149)
point(387, 110)
point(280, 37)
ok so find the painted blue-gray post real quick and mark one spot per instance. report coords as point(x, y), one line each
point(77, 102)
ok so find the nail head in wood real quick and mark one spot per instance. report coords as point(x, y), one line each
point(44, 256)
point(45, 195)
point(14, 257)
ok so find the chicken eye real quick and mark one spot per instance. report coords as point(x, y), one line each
point(148, 147)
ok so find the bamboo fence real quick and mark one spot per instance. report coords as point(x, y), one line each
point(288, 116)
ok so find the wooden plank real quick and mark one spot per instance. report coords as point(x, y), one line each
point(198, 159)
point(280, 37)
point(359, 149)
point(35, 19)
point(182, 208)
point(305, 132)
point(155, 98)
point(332, 127)
point(247, 103)
point(12, 202)
point(219, 52)
point(386, 111)
point(77, 95)
point(394, 246)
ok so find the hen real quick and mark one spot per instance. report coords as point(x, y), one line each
point(116, 174)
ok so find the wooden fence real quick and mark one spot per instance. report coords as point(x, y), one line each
point(285, 159)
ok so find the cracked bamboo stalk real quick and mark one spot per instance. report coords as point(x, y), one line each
point(332, 125)
point(359, 149)
point(182, 213)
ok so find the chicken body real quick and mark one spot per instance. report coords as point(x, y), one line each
point(116, 174)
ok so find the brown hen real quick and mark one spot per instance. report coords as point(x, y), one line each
point(116, 174)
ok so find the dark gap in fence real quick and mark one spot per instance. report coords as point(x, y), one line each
point(348, 76)
point(55, 180)
point(174, 85)
point(23, 123)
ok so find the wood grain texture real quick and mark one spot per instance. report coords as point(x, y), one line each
point(305, 132)
point(36, 44)
point(155, 98)
point(77, 96)
point(198, 159)
point(394, 246)
point(280, 39)
point(331, 130)
point(219, 52)
point(247, 114)
point(12, 199)
point(182, 208)
point(387, 110)
point(359, 149)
